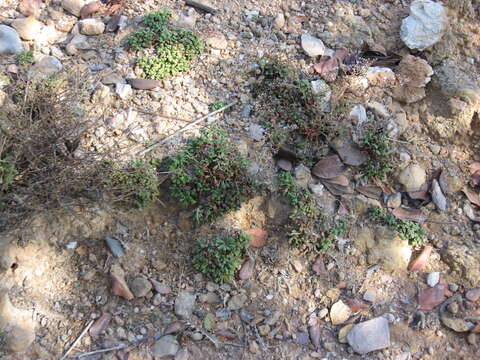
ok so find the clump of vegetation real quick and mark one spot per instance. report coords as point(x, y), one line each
point(137, 183)
point(24, 58)
point(290, 110)
point(7, 172)
point(379, 147)
point(174, 48)
point(304, 215)
point(220, 257)
point(210, 175)
point(408, 230)
point(216, 105)
point(338, 228)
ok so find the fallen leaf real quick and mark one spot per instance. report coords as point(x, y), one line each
point(227, 334)
point(473, 294)
point(341, 180)
point(456, 324)
point(342, 210)
point(419, 195)
point(329, 167)
point(336, 189)
point(99, 325)
point(328, 68)
point(90, 8)
point(421, 260)
point(113, 23)
point(370, 191)
point(430, 298)
point(143, 84)
point(416, 215)
point(160, 288)
point(119, 285)
point(286, 153)
point(246, 271)
point(474, 167)
point(318, 266)
point(475, 178)
point(258, 237)
point(472, 196)
point(174, 327)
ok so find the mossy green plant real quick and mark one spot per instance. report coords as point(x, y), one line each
point(338, 228)
point(220, 257)
point(24, 58)
point(379, 147)
point(174, 48)
point(8, 172)
point(210, 176)
point(406, 229)
point(136, 183)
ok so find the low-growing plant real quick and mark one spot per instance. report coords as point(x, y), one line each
point(210, 175)
point(24, 58)
point(304, 215)
point(137, 183)
point(220, 257)
point(7, 173)
point(216, 105)
point(338, 228)
point(406, 229)
point(174, 48)
point(379, 147)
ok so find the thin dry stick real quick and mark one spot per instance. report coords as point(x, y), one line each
point(201, 6)
point(186, 127)
point(118, 347)
point(78, 340)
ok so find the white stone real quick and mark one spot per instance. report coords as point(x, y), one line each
point(73, 6)
point(433, 278)
point(425, 26)
point(359, 114)
point(28, 28)
point(312, 46)
point(380, 76)
point(124, 91)
point(279, 21)
point(91, 27)
point(10, 42)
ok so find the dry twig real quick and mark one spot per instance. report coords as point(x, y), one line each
point(77, 340)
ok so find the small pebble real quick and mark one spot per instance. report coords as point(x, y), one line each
point(433, 279)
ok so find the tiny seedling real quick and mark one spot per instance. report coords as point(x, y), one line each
point(220, 257)
point(210, 176)
point(406, 229)
point(338, 228)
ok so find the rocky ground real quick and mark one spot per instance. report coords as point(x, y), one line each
point(373, 296)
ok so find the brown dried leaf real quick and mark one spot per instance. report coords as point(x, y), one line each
point(90, 9)
point(341, 180)
point(329, 167)
point(371, 191)
point(475, 178)
point(314, 332)
point(474, 167)
point(246, 271)
point(328, 68)
point(99, 325)
point(287, 154)
point(119, 285)
point(161, 288)
point(258, 237)
point(227, 334)
point(416, 215)
point(421, 260)
point(318, 266)
point(356, 305)
point(430, 298)
point(336, 189)
point(472, 196)
point(349, 152)
point(174, 327)
point(476, 329)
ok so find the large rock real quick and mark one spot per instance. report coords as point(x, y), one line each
point(369, 336)
point(16, 326)
point(91, 27)
point(28, 28)
point(384, 246)
point(413, 73)
point(10, 42)
point(425, 26)
point(45, 67)
point(312, 46)
point(73, 6)
point(165, 347)
point(412, 177)
point(463, 261)
point(184, 304)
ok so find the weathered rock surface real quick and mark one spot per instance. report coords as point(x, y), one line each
point(369, 336)
point(10, 42)
point(165, 347)
point(425, 25)
point(91, 27)
point(413, 74)
point(28, 28)
point(73, 6)
point(312, 46)
point(45, 67)
point(184, 304)
point(412, 177)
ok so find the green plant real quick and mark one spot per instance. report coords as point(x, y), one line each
point(220, 257)
point(304, 214)
point(210, 175)
point(24, 58)
point(7, 173)
point(174, 48)
point(338, 228)
point(408, 230)
point(216, 105)
point(379, 147)
point(137, 182)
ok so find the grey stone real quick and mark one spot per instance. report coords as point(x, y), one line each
point(255, 132)
point(78, 42)
point(323, 92)
point(412, 177)
point(124, 91)
point(358, 114)
point(91, 27)
point(312, 46)
point(369, 336)
point(45, 67)
point(236, 302)
point(140, 286)
point(438, 198)
point(284, 164)
point(115, 246)
point(370, 296)
point(184, 304)
point(303, 177)
point(10, 42)
point(166, 346)
point(425, 25)
point(394, 200)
